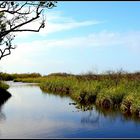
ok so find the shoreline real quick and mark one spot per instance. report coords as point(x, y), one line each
point(110, 91)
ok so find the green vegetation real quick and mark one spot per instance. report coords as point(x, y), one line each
point(118, 90)
point(109, 91)
point(3, 86)
point(8, 77)
point(4, 95)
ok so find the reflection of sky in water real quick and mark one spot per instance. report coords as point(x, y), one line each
point(31, 113)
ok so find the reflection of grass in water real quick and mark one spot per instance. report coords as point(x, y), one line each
point(91, 118)
point(4, 96)
point(111, 113)
point(83, 107)
point(62, 95)
point(107, 112)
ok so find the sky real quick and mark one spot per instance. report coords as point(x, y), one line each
point(80, 37)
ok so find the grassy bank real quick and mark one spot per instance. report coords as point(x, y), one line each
point(4, 94)
point(109, 91)
point(3, 86)
point(9, 77)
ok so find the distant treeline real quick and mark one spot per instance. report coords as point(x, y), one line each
point(110, 75)
point(8, 77)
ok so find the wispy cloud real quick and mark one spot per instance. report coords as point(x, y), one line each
point(37, 53)
point(103, 39)
point(99, 39)
point(57, 22)
point(63, 26)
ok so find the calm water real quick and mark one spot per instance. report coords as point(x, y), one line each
point(30, 113)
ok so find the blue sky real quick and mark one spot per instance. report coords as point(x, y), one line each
point(80, 37)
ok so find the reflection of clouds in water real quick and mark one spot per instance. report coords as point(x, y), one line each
point(40, 128)
point(30, 113)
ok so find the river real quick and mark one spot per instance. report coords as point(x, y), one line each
point(31, 113)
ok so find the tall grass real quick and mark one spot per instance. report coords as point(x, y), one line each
point(111, 90)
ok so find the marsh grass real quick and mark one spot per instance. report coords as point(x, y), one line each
point(109, 91)
point(3, 85)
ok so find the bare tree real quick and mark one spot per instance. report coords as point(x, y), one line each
point(14, 15)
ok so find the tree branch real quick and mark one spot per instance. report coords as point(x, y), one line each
point(18, 18)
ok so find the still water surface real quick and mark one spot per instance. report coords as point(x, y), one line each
point(30, 113)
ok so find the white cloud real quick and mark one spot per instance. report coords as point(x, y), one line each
point(99, 39)
point(27, 54)
point(56, 22)
point(57, 27)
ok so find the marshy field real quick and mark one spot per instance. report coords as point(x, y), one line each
point(62, 105)
point(113, 90)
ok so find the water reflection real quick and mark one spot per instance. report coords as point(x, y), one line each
point(35, 114)
point(111, 114)
point(2, 115)
point(4, 96)
point(20, 84)
point(91, 118)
